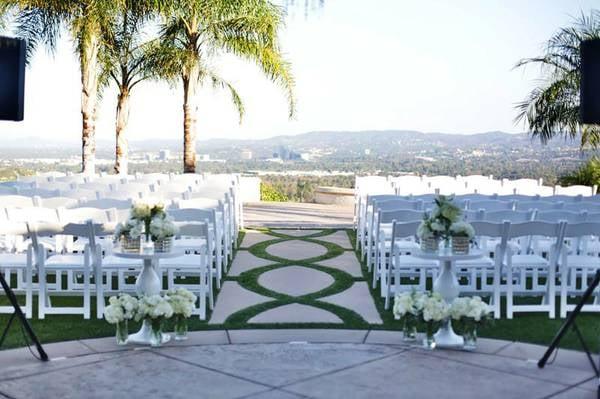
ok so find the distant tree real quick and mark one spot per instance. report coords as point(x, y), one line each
point(552, 109)
point(194, 32)
point(124, 54)
point(41, 21)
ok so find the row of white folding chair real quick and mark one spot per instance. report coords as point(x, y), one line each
point(82, 266)
point(507, 262)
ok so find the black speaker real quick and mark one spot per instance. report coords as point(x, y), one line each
point(589, 108)
point(12, 78)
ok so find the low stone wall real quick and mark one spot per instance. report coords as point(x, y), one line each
point(334, 196)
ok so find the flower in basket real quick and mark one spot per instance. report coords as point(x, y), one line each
point(446, 210)
point(429, 228)
point(462, 229)
point(120, 308)
point(132, 228)
point(162, 227)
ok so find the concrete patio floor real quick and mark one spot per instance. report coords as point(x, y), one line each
point(293, 214)
point(308, 363)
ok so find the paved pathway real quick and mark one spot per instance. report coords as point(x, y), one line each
point(296, 276)
point(292, 214)
point(292, 364)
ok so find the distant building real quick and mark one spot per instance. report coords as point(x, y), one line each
point(164, 155)
point(305, 156)
point(246, 154)
point(204, 158)
point(367, 151)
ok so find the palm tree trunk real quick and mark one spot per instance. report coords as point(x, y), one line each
point(122, 146)
point(190, 111)
point(89, 93)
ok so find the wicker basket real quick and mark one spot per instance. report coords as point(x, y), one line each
point(460, 245)
point(430, 244)
point(130, 245)
point(164, 245)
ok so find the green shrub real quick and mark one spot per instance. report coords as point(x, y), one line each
point(588, 174)
point(270, 193)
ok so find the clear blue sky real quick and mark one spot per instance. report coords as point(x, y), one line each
point(429, 65)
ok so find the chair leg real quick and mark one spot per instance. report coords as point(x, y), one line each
point(86, 295)
point(509, 292)
point(42, 293)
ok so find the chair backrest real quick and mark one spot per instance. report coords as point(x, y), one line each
point(193, 215)
point(581, 229)
point(79, 194)
point(511, 216)
point(580, 206)
point(107, 203)
point(205, 193)
point(75, 215)
point(491, 205)
point(556, 216)
point(401, 216)
point(202, 203)
point(32, 214)
point(8, 190)
point(538, 205)
point(490, 229)
point(402, 230)
point(387, 205)
point(593, 217)
point(58, 202)
point(574, 190)
point(14, 229)
point(15, 201)
point(80, 229)
point(471, 215)
point(535, 228)
point(120, 195)
point(171, 187)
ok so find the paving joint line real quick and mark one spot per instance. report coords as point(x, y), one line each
point(567, 389)
point(498, 370)
point(399, 352)
point(158, 353)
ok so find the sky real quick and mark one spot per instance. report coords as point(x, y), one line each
point(426, 65)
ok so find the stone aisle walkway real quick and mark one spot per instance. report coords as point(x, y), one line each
point(292, 277)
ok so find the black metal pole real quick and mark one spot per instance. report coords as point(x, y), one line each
point(570, 320)
point(19, 313)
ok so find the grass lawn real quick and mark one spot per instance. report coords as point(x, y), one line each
point(528, 327)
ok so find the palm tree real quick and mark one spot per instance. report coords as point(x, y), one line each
point(195, 31)
point(41, 21)
point(552, 109)
point(125, 58)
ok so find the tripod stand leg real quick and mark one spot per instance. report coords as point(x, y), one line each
point(19, 313)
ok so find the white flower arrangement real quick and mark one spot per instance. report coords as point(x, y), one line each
point(470, 308)
point(145, 210)
point(121, 308)
point(153, 307)
point(435, 308)
point(162, 227)
point(182, 301)
point(462, 229)
point(408, 303)
point(442, 217)
point(132, 228)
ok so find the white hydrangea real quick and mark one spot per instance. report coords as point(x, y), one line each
point(153, 307)
point(408, 303)
point(123, 307)
point(162, 227)
point(462, 229)
point(460, 308)
point(182, 301)
point(437, 226)
point(478, 310)
point(435, 308)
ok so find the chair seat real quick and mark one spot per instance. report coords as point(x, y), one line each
point(10, 260)
point(116, 262)
point(412, 261)
point(591, 262)
point(184, 261)
point(403, 245)
point(190, 243)
point(481, 262)
point(65, 261)
point(528, 261)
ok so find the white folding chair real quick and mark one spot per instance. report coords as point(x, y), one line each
point(193, 266)
point(20, 263)
point(541, 272)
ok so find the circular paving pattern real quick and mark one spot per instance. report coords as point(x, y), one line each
point(295, 280)
point(290, 279)
point(296, 250)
